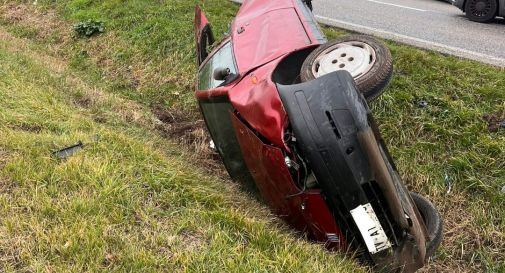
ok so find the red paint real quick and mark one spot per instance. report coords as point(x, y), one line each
point(266, 37)
point(200, 21)
point(260, 104)
point(216, 92)
point(269, 31)
point(306, 212)
point(321, 221)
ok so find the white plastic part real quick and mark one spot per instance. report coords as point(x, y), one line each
point(354, 56)
point(370, 228)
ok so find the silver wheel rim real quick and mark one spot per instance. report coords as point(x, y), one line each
point(353, 56)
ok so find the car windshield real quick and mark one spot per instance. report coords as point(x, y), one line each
point(223, 58)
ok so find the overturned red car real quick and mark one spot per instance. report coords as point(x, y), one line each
point(288, 113)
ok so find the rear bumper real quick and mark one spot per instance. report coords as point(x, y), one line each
point(327, 117)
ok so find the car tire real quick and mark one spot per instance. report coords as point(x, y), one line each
point(308, 3)
point(432, 220)
point(481, 11)
point(368, 60)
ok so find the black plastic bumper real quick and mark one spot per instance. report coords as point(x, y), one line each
point(329, 117)
point(325, 115)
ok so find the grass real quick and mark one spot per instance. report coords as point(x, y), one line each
point(130, 201)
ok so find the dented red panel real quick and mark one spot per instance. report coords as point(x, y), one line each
point(256, 98)
point(307, 212)
point(266, 164)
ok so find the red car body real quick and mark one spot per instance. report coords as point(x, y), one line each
point(274, 132)
point(263, 33)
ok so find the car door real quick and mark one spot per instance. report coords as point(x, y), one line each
point(203, 35)
point(215, 106)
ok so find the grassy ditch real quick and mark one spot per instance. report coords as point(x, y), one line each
point(130, 200)
point(133, 84)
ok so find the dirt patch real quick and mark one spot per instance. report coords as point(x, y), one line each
point(166, 252)
point(6, 185)
point(3, 158)
point(192, 240)
point(10, 256)
point(110, 259)
point(193, 134)
point(88, 97)
point(494, 122)
point(84, 101)
point(31, 128)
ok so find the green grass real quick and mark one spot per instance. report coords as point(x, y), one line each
point(146, 58)
point(129, 201)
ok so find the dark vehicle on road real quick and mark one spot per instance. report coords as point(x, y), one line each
point(288, 112)
point(481, 10)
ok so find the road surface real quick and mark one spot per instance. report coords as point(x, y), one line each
point(428, 24)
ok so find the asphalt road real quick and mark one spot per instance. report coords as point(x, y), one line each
point(428, 24)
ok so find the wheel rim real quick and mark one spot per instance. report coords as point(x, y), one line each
point(354, 56)
point(480, 8)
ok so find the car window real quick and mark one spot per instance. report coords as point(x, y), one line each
point(222, 58)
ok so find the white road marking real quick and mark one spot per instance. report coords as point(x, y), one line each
point(395, 5)
point(445, 49)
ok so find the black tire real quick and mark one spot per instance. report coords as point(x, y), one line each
point(433, 222)
point(308, 3)
point(481, 11)
point(372, 83)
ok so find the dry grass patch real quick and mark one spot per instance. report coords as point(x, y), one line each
point(43, 24)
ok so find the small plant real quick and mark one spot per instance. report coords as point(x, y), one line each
point(89, 28)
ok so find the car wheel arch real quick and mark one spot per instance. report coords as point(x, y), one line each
point(288, 68)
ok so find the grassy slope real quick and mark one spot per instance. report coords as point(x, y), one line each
point(130, 201)
point(147, 56)
point(450, 138)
